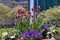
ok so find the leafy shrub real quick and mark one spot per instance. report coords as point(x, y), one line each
point(4, 10)
point(50, 14)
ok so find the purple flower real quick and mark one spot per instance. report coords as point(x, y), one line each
point(44, 26)
point(25, 34)
point(31, 33)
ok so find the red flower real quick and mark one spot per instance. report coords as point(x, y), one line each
point(37, 10)
point(17, 15)
point(29, 12)
point(20, 11)
point(34, 8)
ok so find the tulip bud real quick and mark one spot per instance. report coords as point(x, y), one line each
point(17, 16)
point(34, 8)
point(29, 12)
point(37, 10)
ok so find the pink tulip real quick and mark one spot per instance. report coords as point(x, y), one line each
point(37, 10)
point(20, 11)
point(34, 8)
point(17, 15)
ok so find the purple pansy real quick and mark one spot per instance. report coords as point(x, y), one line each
point(31, 33)
point(44, 26)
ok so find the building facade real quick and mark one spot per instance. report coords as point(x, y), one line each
point(46, 4)
point(12, 3)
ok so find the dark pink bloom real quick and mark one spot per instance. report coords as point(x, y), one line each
point(20, 11)
point(29, 12)
point(34, 8)
point(37, 10)
point(17, 15)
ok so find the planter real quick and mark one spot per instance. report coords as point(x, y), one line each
point(49, 39)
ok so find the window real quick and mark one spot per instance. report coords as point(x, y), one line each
point(18, 0)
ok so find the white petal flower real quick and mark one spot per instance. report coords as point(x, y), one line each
point(4, 34)
point(53, 30)
point(12, 36)
point(48, 32)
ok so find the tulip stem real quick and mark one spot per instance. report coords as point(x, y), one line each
point(35, 16)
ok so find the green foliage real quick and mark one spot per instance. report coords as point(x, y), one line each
point(3, 10)
point(13, 10)
point(2, 30)
point(9, 30)
point(50, 14)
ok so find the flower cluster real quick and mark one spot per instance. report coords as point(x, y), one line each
point(44, 26)
point(31, 33)
point(21, 13)
point(36, 9)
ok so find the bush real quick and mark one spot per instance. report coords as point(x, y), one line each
point(9, 31)
point(50, 14)
point(3, 10)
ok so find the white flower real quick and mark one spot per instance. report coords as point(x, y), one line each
point(12, 36)
point(48, 32)
point(53, 30)
point(21, 38)
point(52, 27)
point(4, 34)
point(23, 16)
